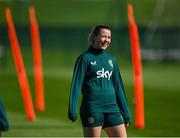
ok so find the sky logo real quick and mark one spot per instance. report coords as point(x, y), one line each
point(104, 74)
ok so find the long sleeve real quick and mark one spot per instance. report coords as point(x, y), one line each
point(76, 85)
point(4, 124)
point(120, 94)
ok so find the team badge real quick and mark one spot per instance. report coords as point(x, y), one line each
point(110, 63)
point(91, 120)
point(93, 63)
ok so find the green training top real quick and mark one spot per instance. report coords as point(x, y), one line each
point(96, 74)
point(4, 124)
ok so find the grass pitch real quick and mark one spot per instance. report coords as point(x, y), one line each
point(161, 92)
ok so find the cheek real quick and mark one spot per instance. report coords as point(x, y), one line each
point(102, 39)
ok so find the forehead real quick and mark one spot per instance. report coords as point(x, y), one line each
point(105, 31)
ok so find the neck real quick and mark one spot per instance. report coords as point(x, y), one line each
point(95, 50)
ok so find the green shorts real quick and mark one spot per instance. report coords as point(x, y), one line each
point(101, 119)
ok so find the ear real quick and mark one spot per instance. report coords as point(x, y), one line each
point(93, 37)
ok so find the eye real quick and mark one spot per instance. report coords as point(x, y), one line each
point(103, 36)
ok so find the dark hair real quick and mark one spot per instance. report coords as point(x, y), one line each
point(95, 31)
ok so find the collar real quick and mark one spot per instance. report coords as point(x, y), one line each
point(95, 51)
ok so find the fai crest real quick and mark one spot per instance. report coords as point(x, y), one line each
point(110, 63)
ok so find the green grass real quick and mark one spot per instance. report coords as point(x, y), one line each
point(41, 127)
point(161, 92)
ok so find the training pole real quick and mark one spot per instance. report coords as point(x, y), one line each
point(36, 49)
point(137, 70)
point(19, 64)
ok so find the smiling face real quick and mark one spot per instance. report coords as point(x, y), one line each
point(103, 39)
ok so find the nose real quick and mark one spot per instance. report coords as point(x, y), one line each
point(107, 39)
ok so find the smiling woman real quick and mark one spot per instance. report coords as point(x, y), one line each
point(100, 37)
point(96, 74)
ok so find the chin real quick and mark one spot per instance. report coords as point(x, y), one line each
point(104, 47)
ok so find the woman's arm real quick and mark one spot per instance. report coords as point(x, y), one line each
point(76, 85)
point(120, 94)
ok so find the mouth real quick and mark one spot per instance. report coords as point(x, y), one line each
point(103, 44)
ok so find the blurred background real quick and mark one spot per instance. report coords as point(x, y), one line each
point(64, 27)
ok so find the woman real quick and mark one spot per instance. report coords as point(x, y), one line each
point(96, 74)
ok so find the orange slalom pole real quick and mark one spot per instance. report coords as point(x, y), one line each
point(137, 70)
point(38, 71)
point(24, 85)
